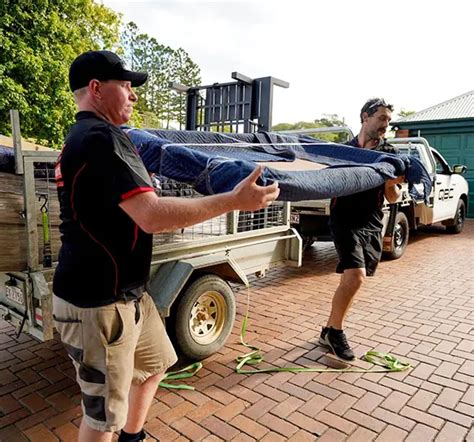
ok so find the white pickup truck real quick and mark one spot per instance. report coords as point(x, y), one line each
point(447, 203)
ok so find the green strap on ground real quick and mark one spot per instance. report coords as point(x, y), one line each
point(184, 373)
point(383, 363)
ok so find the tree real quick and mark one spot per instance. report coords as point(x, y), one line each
point(39, 39)
point(327, 121)
point(157, 104)
point(183, 71)
point(405, 113)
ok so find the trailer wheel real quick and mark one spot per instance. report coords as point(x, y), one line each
point(458, 221)
point(400, 235)
point(204, 318)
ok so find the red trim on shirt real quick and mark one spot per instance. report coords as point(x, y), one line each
point(108, 253)
point(89, 233)
point(57, 173)
point(136, 191)
point(73, 189)
point(135, 237)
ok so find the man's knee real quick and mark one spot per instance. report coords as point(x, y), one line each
point(353, 278)
point(155, 378)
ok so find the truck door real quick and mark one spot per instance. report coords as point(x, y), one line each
point(444, 190)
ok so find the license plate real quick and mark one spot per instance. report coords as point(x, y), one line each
point(15, 294)
point(294, 218)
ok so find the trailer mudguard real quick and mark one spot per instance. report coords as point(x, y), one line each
point(168, 280)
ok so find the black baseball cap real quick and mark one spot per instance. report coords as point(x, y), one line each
point(102, 66)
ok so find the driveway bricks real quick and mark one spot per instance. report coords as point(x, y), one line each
point(418, 308)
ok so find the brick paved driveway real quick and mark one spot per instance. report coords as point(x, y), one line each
point(418, 308)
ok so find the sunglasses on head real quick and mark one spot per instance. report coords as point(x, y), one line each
point(377, 103)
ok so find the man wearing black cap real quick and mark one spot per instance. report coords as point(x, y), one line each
point(107, 322)
point(356, 226)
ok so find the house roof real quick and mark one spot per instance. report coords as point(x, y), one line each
point(455, 108)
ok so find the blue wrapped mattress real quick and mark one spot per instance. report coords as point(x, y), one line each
point(7, 159)
point(215, 163)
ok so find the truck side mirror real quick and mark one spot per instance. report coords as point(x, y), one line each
point(459, 168)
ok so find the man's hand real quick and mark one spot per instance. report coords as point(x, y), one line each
point(395, 181)
point(249, 196)
point(392, 190)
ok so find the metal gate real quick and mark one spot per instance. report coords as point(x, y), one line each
point(244, 105)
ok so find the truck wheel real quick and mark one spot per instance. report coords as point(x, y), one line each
point(204, 317)
point(457, 223)
point(400, 235)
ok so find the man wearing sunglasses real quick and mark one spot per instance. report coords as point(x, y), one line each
point(356, 227)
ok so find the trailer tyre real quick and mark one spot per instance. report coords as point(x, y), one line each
point(204, 317)
point(401, 233)
point(458, 221)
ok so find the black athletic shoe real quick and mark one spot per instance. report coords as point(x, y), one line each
point(336, 340)
point(128, 437)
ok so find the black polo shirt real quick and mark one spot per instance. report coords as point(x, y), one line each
point(104, 254)
point(361, 210)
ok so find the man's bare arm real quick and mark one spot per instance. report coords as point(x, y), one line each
point(158, 214)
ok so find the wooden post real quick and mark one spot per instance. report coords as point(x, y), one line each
point(16, 135)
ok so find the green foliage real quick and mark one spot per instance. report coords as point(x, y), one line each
point(328, 121)
point(405, 113)
point(158, 105)
point(39, 40)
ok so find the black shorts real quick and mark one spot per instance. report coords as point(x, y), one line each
point(358, 249)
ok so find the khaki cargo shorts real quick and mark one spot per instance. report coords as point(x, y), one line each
point(112, 347)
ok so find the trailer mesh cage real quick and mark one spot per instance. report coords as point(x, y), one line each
point(40, 247)
point(227, 224)
point(29, 209)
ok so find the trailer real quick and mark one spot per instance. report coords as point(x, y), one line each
point(191, 268)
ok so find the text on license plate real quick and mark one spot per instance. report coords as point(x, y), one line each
point(15, 294)
point(294, 218)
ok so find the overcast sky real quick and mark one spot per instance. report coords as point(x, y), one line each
point(335, 54)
